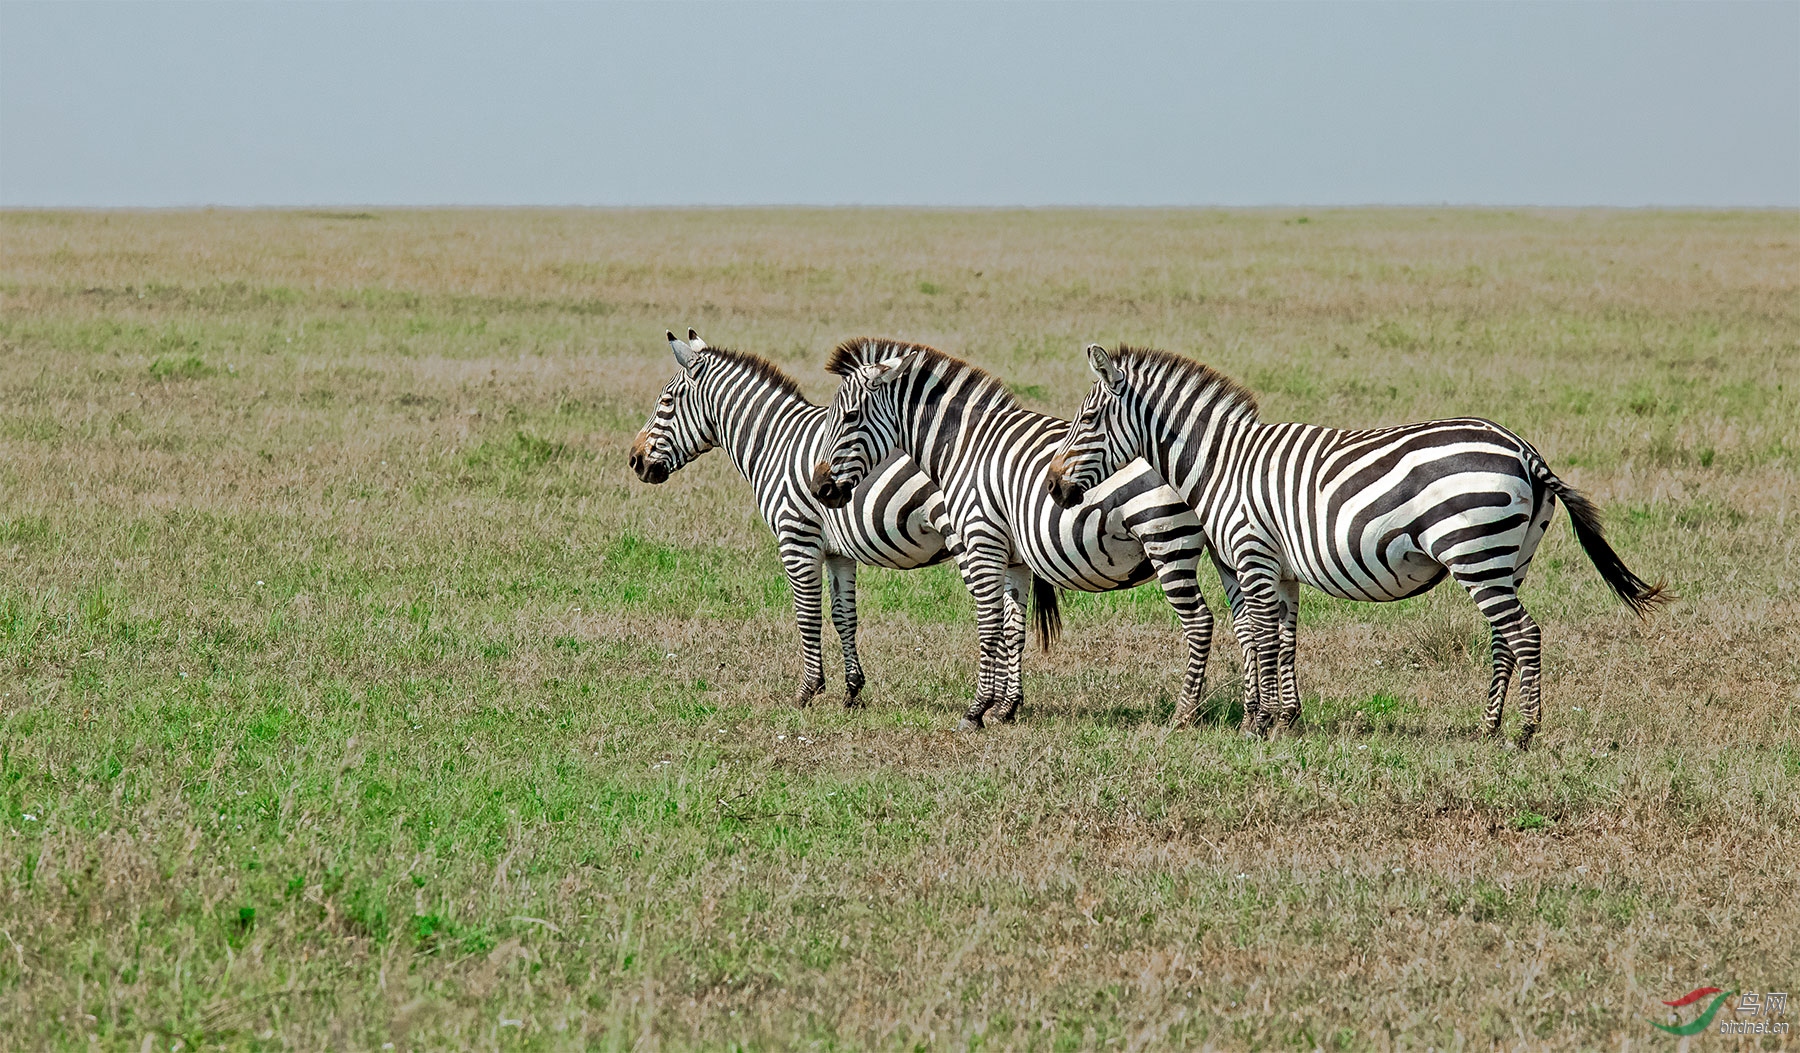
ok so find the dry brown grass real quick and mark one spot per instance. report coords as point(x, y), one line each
point(325, 595)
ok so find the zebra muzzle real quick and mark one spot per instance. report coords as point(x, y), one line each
point(1065, 493)
point(649, 471)
point(830, 492)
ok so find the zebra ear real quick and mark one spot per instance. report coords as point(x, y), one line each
point(685, 354)
point(694, 340)
point(889, 370)
point(1104, 368)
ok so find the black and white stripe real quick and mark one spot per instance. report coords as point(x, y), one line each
point(988, 455)
point(1376, 515)
point(747, 406)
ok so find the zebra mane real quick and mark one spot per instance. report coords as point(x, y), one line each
point(851, 355)
point(1148, 364)
point(760, 367)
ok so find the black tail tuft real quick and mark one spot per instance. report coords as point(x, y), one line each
point(1638, 594)
point(1046, 612)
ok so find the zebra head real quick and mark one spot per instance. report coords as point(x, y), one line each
point(680, 428)
point(862, 425)
point(1102, 438)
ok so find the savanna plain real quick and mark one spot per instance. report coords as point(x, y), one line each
point(354, 694)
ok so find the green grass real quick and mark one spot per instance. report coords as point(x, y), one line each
point(352, 692)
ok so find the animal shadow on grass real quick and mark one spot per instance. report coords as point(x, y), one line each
point(1222, 707)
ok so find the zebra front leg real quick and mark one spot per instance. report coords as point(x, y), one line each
point(1288, 591)
point(840, 573)
point(1181, 584)
point(802, 565)
point(1012, 687)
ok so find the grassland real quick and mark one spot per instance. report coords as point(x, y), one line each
point(352, 692)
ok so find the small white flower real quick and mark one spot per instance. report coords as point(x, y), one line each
point(1581, 869)
point(511, 1023)
point(30, 818)
point(259, 581)
point(780, 738)
point(671, 654)
point(1399, 870)
point(184, 674)
point(1576, 709)
point(1362, 747)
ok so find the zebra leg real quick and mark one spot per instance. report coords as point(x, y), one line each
point(984, 572)
point(1517, 641)
point(840, 574)
point(801, 561)
point(1526, 643)
point(1504, 663)
point(1012, 688)
point(1288, 591)
point(1181, 584)
point(1263, 610)
point(1241, 628)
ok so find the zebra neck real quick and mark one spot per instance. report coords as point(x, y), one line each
point(1188, 455)
point(756, 424)
point(934, 419)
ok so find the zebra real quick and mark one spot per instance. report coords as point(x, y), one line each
point(757, 413)
point(988, 454)
point(1379, 514)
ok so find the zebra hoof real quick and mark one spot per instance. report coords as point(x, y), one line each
point(1524, 740)
point(853, 701)
point(970, 724)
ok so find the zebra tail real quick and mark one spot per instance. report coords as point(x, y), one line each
point(1638, 594)
point(1046, 612)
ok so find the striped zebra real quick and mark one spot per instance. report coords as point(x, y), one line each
point(772, 434)
point(989, 455)
point(1377, 515)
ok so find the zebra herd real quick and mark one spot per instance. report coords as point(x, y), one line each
point(922, 457)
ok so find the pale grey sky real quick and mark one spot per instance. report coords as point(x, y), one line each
point(149, 104)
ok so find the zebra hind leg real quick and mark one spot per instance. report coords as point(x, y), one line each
point(1012, 686)
point(1264, 615)
point(1504, 664)
point(1517, 642)
point(984, 572)
point(841, 575)
point(1289, 591)
point(1526, 643)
